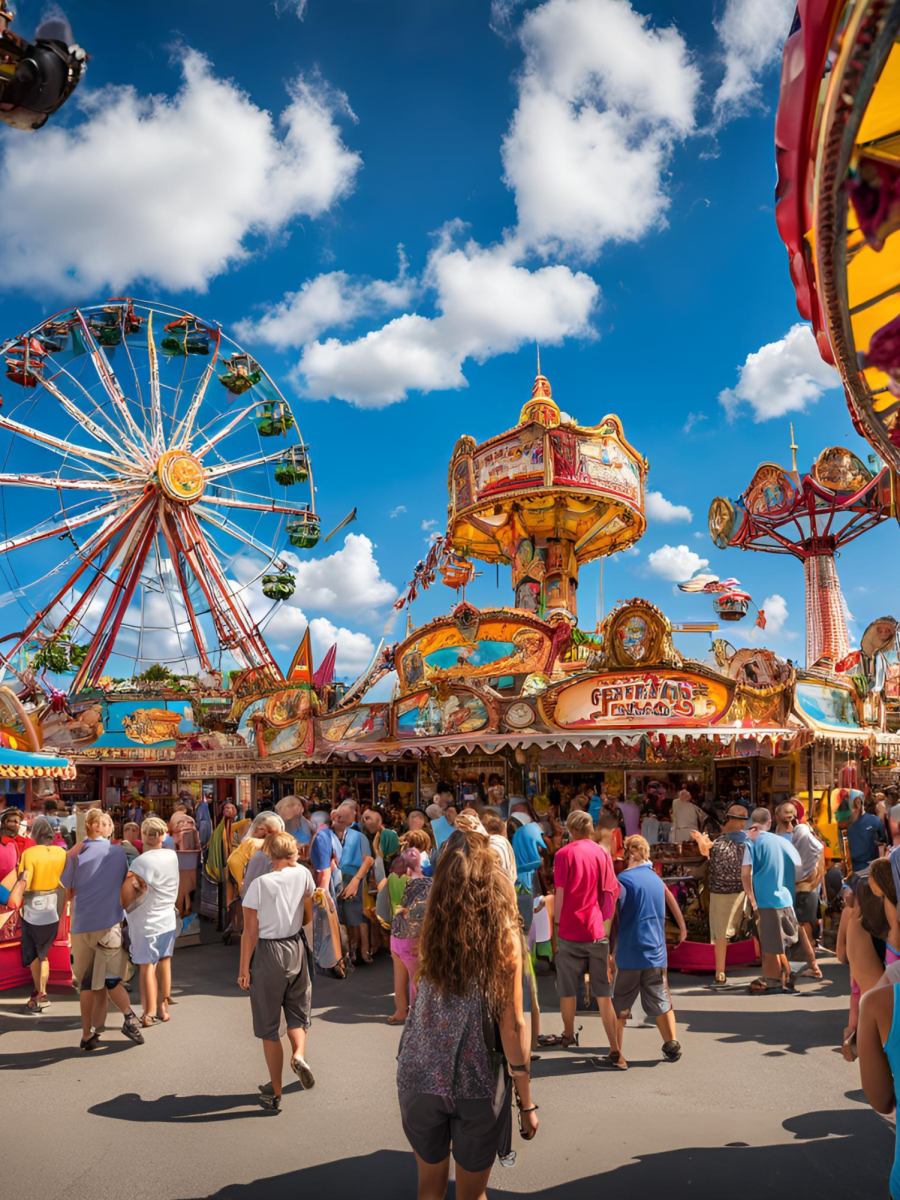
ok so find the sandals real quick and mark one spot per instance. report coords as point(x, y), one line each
point(549, 1041)
point(89, 1043)
point(671, 1051)
point(392, 1020)
point(164, 1006)
point(368, 959)
point(610, 1062)
point(270, 1102)
point(147, 1022)
point(132, 1029)
point(762, 987)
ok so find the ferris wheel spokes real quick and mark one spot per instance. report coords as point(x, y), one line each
point(57, 483)
point(258, 504)
point(181, 438)
point(92, 427)
point(241, 535)
point(111, 387)
point(137, 547)
point(244, 464)
point(224, 602)
point(112, 462)
point(93, 547)
point(41, 533)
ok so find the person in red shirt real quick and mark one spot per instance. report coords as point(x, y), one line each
point(586, 895)
point(10, 822)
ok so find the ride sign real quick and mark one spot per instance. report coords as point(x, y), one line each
point(642, 698)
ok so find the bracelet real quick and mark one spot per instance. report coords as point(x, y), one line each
point(518, 1068)
point(533, 1108)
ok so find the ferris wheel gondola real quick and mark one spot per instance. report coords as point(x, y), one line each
point(168, 495)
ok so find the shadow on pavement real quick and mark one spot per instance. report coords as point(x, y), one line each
point(184, 1110)
point(794, 1031)
point(803, 1169)
point(34, 1060)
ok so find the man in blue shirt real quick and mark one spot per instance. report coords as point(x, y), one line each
point(641, 952)
point(527, 843)
point(865, 834)
point(345, 845)
point(93, 876)
point(768, 873)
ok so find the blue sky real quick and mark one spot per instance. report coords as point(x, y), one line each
point(592, 174)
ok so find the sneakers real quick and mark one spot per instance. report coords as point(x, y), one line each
point(671, 1051)
point(132, 1029)
point(301, 1069)
point(42, 1001)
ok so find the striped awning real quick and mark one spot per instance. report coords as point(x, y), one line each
point(24, 764)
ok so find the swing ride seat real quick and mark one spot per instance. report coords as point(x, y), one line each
point(457, 575)
point(732, 606)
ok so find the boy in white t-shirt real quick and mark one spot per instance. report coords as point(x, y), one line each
point(275, 964)
point(151, 887)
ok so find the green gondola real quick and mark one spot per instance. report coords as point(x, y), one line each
point(304, 534)
point(290, 471)
point(278, 587)
point(243, 373)
point(273, 419)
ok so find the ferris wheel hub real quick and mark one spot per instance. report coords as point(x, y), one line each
point(180, 476)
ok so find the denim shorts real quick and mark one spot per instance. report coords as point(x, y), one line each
point(153, 947)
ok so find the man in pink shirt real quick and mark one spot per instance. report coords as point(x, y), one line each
point(586, 895)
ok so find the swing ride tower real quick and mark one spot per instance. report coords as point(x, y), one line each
point(811, 517)
point(544, 498)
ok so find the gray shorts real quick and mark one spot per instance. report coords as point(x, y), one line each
point(474, 1130)
point(280, 987)
point(806, 907)
point(653, 985)
point(350, 912)
point(575, 959)
point(777, 928)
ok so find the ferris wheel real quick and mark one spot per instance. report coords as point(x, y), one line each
point(153, 489)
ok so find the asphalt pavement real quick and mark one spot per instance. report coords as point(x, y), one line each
point(761, 1104)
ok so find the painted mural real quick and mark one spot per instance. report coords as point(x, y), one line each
point(425, 715)
point(146, 723)
point(638, 699)
point(825, 704)
point(365, 723)
point(501, 647)
point(516, 461)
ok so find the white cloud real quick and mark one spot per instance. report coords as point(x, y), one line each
point(333, 300)
point(675, 562)
point(167, 189)
point(347, 581)
point(429, 524)
point(752, 34)
point(694, 418)
point(603, 97)
point(401, 508)
point(658, 508)
point(487, 304)
point(297, 7)
point(776, 610)
point(354, 650)
point(781, 377)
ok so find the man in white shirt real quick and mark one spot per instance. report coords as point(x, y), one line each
point(151, 887)
point(274, 963)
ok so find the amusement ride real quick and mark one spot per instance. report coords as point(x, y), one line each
point(810, 517)
point(153, 488)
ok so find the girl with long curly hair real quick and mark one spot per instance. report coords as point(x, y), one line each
point(465, 1046)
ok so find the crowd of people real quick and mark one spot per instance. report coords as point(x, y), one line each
point(470, 899)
